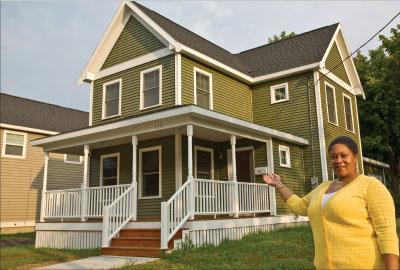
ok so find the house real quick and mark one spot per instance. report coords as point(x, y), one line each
point(376, 169)
point(181, 132)
point(22, 121)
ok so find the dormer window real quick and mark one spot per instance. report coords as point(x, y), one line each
point(112, 98)
point(203, 89)
point(279, 93)
point(150, 87)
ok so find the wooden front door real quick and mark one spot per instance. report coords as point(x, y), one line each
point(244, 166)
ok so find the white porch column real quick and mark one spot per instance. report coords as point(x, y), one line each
point(44, 188)
point(271, 193)
point(85, 181)
point(234, 178)
point(190, 171)
point(134, 174)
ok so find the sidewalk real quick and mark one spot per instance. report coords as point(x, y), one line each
point(99, 262)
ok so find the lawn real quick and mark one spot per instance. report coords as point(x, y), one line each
point(18, 235)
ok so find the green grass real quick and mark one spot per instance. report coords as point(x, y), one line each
point(17, 235)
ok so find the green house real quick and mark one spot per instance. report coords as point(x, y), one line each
point(181, 132)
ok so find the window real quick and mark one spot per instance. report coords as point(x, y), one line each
point(112, 98)
point(331, 104)
point(279, 93)
point(284, 156)
point(14, 144)
point(150, 172)
point(203, 162)
point(72, 159)
point(109, 169)
point(150, 87)
point(348, 113)
point(203, 89)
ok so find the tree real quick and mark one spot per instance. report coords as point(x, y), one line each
point(283, 35)
point(379, 114)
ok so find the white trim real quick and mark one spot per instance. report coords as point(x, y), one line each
point(195, 69)
point(204, 149)
point(278, 86)
point(330, 46)
point(284, 73)
point(3, 153)
point(91, 104)
point(148, 149)
point(359, 135)
point(72, 162)
point(351, 112)
point(229, 161)
point(376, 162)
point(270, 160)
point(337, 80)
point(321, 133)
point(287, 150)
point(142, 73)
point(17, 224)
point(178, 79)
point(32, 130)
point(101, 166)
point(178, 160)
point(104, 99)
point(334, 99)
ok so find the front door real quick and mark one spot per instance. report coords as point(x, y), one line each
point(244, 165)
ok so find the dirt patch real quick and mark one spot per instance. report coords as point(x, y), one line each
point(17, 242)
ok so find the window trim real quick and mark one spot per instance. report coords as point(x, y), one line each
point(148, 149)
point(159, 67)
point(103, 117)
point(277, 86)
point(211, 103)
point(101, 166)
point(72, 162)
point(287, 149)
point(205, 149)
point(3, 152)
point(327, 106)
point(351, 112)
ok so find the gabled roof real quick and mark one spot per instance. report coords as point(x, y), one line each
point(33, 114)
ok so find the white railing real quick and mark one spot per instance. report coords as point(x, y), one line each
point(68, 203)
point(253, 198)
point(175, 212)
point(118, 214)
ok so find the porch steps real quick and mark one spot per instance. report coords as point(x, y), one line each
point(139, 243)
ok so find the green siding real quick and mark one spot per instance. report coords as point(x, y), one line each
point(334, 63)
point(130, 94)
point(332, 131)
point(147, 208)
point(134, 41)
point(230, 96)
point(291, 116)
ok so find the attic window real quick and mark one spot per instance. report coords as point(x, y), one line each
point(150, 87)
point(14, 144)
point(279, 93)
point(203, 89)
point(112, 98)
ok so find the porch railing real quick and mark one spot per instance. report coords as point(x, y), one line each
point(253, 198)
point(68, 203)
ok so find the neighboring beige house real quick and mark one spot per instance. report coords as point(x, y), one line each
point(21, 165)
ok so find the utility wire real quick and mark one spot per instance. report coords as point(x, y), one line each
point(324, 75)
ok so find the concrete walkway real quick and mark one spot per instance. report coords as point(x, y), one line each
point(99, 262)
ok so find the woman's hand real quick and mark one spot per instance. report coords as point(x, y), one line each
point(272, 179)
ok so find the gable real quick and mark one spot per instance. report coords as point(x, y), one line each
point(335, 60)
point(134, 41)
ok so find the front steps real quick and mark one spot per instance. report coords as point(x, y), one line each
point(139, 243)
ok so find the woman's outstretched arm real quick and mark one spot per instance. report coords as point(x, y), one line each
point(274, 180)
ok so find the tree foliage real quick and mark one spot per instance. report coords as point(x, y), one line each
point(379, 113)
point(283, 35)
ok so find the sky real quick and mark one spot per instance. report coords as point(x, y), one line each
point(46, 45)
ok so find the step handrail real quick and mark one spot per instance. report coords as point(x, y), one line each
point(118, 214)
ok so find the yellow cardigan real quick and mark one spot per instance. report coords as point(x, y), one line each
point(355, 226)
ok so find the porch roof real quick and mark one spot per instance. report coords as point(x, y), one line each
point(161, 123)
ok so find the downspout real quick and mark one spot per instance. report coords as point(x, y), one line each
point(314, 179)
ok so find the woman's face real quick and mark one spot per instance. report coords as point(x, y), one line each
point(343, 160)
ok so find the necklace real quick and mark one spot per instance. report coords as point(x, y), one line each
point(337, 181)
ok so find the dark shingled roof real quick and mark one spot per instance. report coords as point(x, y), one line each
point(300, 50)
point(35, 114)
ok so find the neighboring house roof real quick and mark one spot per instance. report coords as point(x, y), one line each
point(33, 114)
point(375, 162)
point(300, 50)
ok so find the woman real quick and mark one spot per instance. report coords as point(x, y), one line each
point(352, 218)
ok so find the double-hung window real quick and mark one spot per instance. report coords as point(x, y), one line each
point(203, 89)
point(14, 144)
point(110, 169)
point(112, 98)
point(284, 156)
point(348, 113)
point(331, 104)
point(279, 93)
point(150, 172)
point(204, 163)
point(150, 87)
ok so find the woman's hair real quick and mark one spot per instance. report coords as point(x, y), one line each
point(349, 142)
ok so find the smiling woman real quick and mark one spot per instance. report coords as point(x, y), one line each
point(352, 217)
